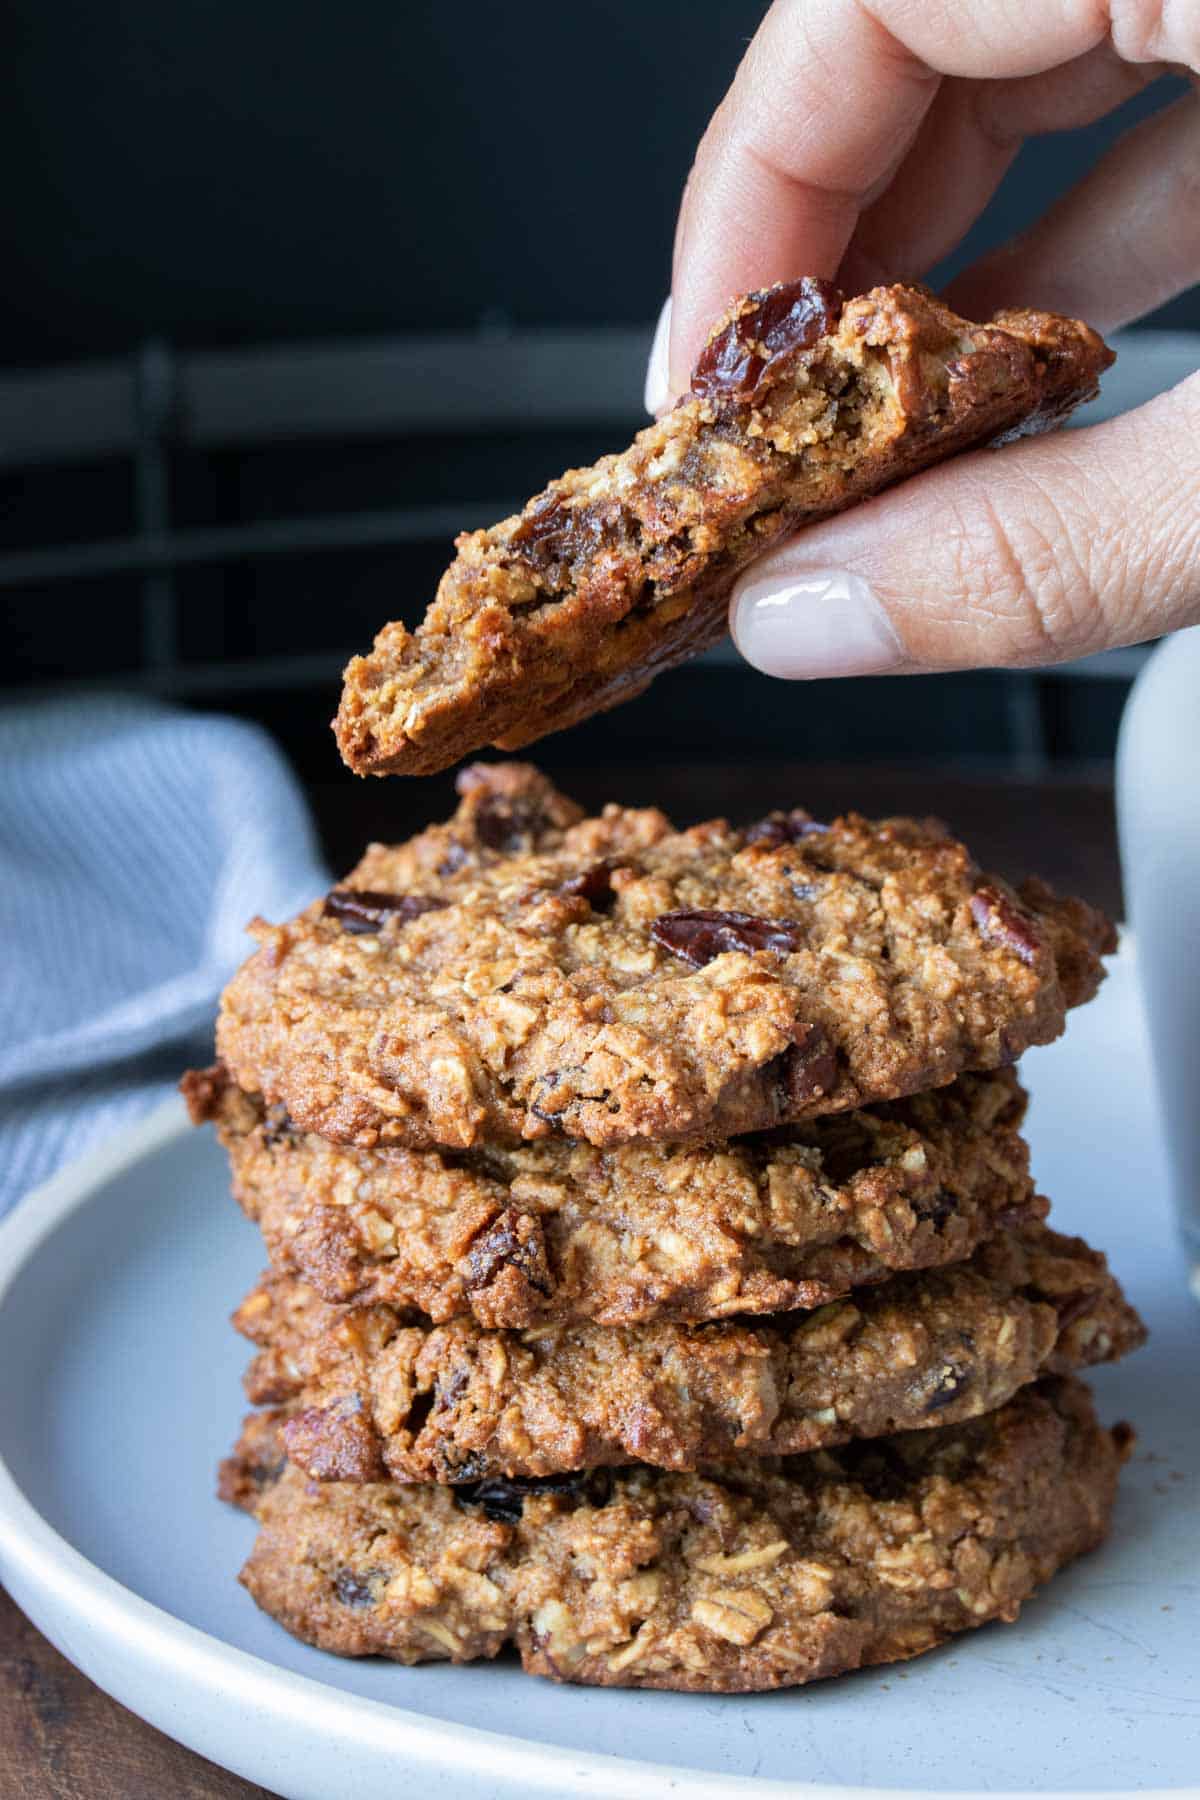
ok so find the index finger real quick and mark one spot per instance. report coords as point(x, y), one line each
point(827, 101)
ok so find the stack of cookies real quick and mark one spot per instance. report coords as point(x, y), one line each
point(657, 1280)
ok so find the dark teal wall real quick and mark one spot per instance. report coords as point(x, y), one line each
point(223, 172)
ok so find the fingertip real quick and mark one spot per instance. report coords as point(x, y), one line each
point(801, 622)
point(657, 391)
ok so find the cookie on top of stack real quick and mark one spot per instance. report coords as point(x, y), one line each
point(657, 1280)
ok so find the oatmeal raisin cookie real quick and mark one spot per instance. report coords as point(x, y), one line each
point(559, 1231)
point(801, 404)
point(376, 1393)
point(726, 1581)
point(524, 971)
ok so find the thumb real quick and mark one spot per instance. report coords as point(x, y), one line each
point(1047, 549)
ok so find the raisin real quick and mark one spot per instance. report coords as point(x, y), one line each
point(782, 828)
point(502, 1498)
point(779, 322)
point(552, 536)
point(593, 885)
point(548, 532)
point(360, 910)
point(353, 1590)
point(806, 1070)
point(697, 934)
point(1000, 922)
point(513, 1241)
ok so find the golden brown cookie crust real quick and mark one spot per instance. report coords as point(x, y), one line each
point(802, 404)
point(729, 1581)
point(525, 971)
point(376, 1393)
point(559, 1231)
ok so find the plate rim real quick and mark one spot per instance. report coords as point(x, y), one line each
point(49, 1568)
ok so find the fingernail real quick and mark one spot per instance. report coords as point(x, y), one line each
point(803, 627)
point(657, 390)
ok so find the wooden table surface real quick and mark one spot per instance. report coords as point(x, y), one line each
point(60, 1737)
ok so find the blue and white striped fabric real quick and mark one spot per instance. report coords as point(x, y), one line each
point(136, 841)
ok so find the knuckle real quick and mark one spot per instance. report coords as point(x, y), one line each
point(1144, 550)
point(1017, 560)
point(1155, 585)
point(1057, 549)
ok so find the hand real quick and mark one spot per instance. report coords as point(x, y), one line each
point(860, 139)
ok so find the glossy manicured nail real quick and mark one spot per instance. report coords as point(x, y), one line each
point(807, 624)
point(657, 389)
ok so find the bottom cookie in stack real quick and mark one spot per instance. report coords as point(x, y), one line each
point(762, 1574)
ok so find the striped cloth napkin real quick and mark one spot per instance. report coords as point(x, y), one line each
point(136, 840)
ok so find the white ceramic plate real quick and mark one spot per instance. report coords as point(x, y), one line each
point(121, 1392)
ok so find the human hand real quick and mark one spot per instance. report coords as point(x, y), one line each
point(860, 139)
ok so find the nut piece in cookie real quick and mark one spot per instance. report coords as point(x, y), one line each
point(801, 404)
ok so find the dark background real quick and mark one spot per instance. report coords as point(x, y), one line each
point(194, 177)
point(217, 173)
